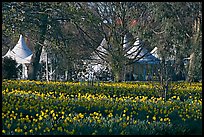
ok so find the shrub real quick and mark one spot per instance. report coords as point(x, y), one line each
point(9, 68)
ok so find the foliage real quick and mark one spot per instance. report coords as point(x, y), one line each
point(9, 68)
point(58, 108)
point(74, 30)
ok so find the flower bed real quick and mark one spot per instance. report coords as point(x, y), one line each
point(55, 108)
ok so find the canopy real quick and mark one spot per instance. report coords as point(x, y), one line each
point(149, 59)
point(21, 53)
point(132, 51)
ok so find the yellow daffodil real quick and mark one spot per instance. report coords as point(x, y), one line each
point(154, 118)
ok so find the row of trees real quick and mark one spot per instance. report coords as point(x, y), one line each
point(73, 30)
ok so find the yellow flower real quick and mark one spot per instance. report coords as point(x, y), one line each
point(154, 118)
point(40, 118)
point(51, 111)
point(174, 97)
point(3, 131)
point(81, 115)
point(99, 121)
point(18, 129)
point(110, 115)
point(42, 113)
point(128, 117)
point(9, 125)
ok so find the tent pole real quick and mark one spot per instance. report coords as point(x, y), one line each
point(145, 72)
point(46, 65)
point(26, 71)
point(23, 71)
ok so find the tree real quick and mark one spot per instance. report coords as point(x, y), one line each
point(22, 17)
point(116, 21)
point(175, 30)
point(76, 29)
point(187, 34)
point(195, 63)
point(9, 68)
point(45, 22)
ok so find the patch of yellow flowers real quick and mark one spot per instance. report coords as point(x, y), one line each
point(60, 111)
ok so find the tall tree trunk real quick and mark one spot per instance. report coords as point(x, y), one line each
point(118, 71)
point(34, 65)
point(195, 43)
point(191, 67)
point(118, 76)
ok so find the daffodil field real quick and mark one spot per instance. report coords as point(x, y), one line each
point(72, 108)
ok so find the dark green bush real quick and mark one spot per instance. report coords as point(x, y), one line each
point(9, 68)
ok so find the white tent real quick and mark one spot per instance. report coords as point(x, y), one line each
point(131, 52)
point(22, 54)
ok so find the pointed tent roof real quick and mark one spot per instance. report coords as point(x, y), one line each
point(155, 52)
point(132, 52)
point(102, 49)
point(148, 57)
point(20, 52)
point(21, 48)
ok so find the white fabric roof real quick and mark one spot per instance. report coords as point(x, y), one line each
point(155, 52)
point(151, 57)
point(20, 52)
point(100, 48)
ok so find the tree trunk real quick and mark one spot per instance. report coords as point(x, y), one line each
point(118, 73)
point(195, 43)
point(34, 65)
point(117, 76)
point(191, 67)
